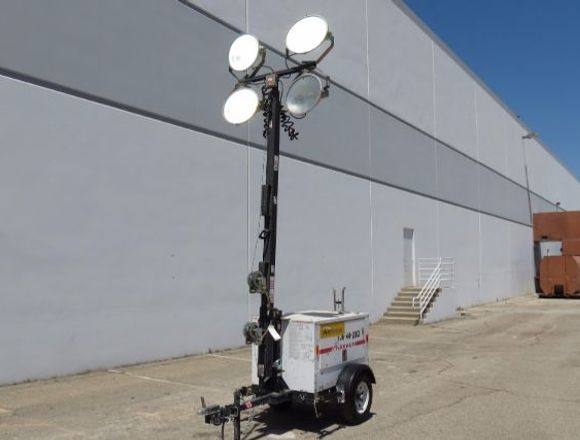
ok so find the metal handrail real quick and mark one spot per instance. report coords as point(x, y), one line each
point(425, 267)
point(428, 290)
point(433, 273)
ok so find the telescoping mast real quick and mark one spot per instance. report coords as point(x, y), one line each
point(310, 357)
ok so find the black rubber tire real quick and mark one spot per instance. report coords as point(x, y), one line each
point(281, 407)
point(352, 414)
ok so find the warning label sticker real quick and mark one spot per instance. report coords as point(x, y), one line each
point(332, 330)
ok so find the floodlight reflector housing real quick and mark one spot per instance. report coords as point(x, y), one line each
point(241, 105)
point(245, 53)
point(304, 94)
point(307, 34)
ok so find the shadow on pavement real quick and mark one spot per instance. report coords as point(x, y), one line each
point(302, 418)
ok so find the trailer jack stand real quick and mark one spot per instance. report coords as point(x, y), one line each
point(237, 417)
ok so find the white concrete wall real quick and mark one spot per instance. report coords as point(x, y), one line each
point(125, 239)
point(118, 243)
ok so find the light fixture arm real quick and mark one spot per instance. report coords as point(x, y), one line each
point(327, 50)
point(307, 65)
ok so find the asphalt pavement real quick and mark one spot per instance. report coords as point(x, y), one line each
point(508, 370)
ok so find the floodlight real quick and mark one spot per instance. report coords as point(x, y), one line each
point(303, 95)
point(245, 53)
point(307, 34)
point(241, 105)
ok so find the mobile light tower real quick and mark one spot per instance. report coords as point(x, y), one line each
point(312, 357)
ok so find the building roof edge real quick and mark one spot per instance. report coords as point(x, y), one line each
point(425, 28)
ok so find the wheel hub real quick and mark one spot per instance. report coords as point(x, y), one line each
point(361, 397)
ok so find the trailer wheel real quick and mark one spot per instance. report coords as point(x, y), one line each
point(282, 406)
point(358, 400)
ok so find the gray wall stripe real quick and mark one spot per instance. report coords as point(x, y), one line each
point(426, 29)
point(241, 142)
point(160, 87)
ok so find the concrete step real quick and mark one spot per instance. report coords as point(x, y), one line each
point(407, 295)
point(404, 297)
point(402, 303)
point(408, 299)
point(402, 308)
point(400, 321)
point(410, 312)
point(405, 314)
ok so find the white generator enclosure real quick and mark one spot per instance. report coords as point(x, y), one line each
point(315, 347)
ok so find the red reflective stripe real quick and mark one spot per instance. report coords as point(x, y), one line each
point(342, 347)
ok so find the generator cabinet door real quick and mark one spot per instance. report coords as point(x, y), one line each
point(339, 343)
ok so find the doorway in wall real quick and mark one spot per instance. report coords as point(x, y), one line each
point(409, 256)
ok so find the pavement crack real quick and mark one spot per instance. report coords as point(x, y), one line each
point(480, 387)
point(233, 358)
point(38, 424)
point(161, 380)
point(442, 407)
point(511, 392)
point(447, 367)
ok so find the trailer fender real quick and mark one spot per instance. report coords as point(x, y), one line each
point(350, 373)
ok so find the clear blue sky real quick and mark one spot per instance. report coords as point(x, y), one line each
point(527, 52)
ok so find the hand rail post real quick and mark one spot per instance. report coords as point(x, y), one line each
point(440, 270)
